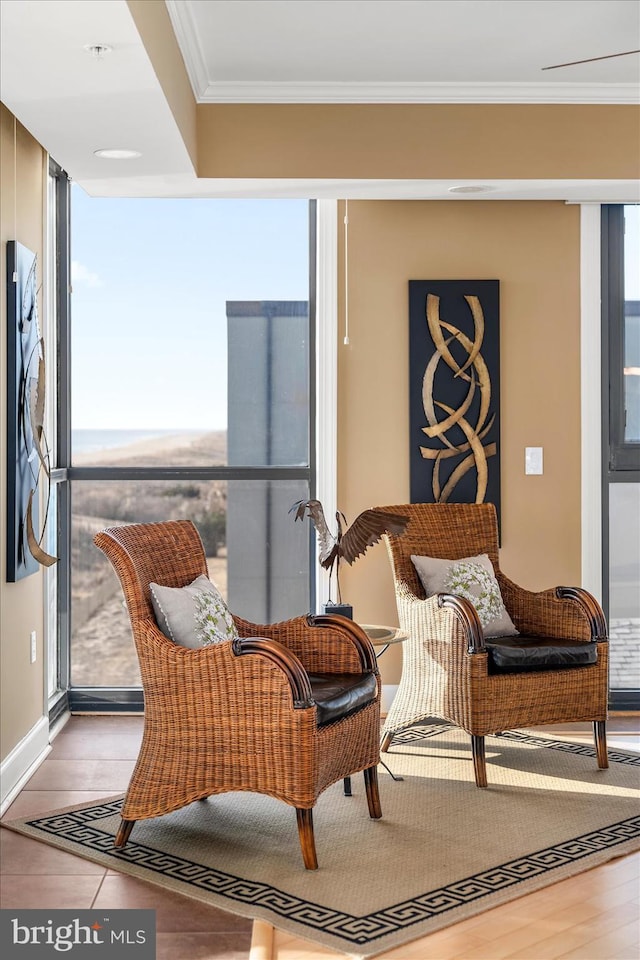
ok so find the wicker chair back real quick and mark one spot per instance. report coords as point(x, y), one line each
point(445, 530)
point(170, 553)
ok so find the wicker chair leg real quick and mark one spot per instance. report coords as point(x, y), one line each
point(126, 826)
point(600, 734)
point(479, 763)
point(373, 795)
point(347, 786)
point(386, 742)
point(307, 842)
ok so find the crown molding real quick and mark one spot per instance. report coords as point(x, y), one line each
point(184, 27)
point(267, 92)
point(237, 91)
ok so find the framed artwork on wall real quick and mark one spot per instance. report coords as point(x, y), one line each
point(454, 391)
point(27, 452)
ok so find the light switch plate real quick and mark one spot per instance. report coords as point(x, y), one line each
point(533, 460)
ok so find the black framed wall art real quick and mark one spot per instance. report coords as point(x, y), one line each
point(27, 452)
point(454, 391)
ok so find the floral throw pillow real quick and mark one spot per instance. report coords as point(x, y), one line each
point(472, 578)
point(193, 616)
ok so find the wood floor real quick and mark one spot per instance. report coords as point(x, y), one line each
point(594, 916)
point(591, 917)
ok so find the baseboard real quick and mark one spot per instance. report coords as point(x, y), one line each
point(23, 761)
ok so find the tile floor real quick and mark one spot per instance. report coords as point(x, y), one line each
point(92, 757)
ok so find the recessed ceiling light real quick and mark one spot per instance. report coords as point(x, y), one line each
point(98, 50)
point(471, 188)
point(117, 154)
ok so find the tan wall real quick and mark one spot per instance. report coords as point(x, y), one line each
point(154, 25)
point(21, 604)
point(418, 141)
point(532, 248)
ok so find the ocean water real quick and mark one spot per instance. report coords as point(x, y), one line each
point(91, 441)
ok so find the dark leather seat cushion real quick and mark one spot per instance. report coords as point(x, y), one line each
point(515, 654)
point(339, 694)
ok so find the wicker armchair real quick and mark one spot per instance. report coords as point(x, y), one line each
point(447, 670)
point(270, 713)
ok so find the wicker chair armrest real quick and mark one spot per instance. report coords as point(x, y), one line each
point(165, 664)
point(467, 614)
point(441, 617)
point(562, 612)
point(285, 660)
point(589, 606)
point(351, 631)
point(445, 646)
point(333, 646)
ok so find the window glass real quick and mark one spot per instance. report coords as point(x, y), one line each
point(190, 317)
point(256, 555)
point(190, 399)
point(624, 585)
point(632, 324)
point(55, 318)
point(621, 328)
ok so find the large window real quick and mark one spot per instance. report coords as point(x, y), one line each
point(621, 230)
point(621, 454)
point(56, 329)
point(190, 396)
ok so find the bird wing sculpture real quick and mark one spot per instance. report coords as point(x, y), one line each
point(328, 542)
point(367, 529)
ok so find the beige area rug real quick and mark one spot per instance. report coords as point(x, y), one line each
point(443, 851)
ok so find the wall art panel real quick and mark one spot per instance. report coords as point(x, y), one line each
point(27, 451)
point(454, 391)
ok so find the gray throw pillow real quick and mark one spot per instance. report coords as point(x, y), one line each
point(193, 616)
point(472, 578)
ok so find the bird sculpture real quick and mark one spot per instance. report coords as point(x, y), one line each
point(350, 543)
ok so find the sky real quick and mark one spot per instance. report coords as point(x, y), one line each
point(150, 281)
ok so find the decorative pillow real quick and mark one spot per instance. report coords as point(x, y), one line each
point(472, 578)
point(193, 616)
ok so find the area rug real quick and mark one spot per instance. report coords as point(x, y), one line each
point(443, 851)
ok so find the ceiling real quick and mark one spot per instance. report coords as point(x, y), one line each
point(372, 51)
point(407, 50)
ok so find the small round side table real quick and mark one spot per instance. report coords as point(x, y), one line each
point(383, 637)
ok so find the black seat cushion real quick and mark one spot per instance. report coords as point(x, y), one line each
point(339, 694)
point(515, 654)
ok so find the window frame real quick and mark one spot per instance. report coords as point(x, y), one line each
point(56, 578)
point(622, 457)
point(89, 699)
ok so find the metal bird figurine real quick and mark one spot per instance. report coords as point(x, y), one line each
point(349, 544)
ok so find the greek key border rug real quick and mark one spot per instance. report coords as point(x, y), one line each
point(443, 851)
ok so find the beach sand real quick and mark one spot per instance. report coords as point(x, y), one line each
point(178, 449)
point(103, 651)
point(102, 648)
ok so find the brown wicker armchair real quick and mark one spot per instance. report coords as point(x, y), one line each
point(448, 671)
point(272, 712)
